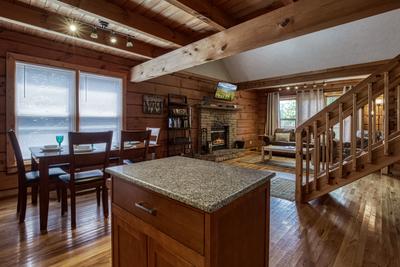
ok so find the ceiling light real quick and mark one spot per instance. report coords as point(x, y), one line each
point(296, 87)
point(288, 88)
point(72, 27)
point(94, 34)
point(113, 38)
point(315, 86)
point(305, 86)
point(280, 89)
point(129, 42)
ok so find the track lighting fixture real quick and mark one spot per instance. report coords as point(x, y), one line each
point(72, 27)
point(113, 38)
point(94, 34)
point(129, 42)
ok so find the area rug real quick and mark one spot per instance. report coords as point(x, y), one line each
point(276, 163)
point(283, 188)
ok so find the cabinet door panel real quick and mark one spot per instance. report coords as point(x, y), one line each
point(129, 245)
point(161, 257)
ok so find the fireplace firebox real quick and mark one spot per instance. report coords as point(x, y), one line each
point(219, 137)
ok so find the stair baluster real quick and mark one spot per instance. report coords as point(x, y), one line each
point(354, 134)
point(308, 159)
point(386, 112)
point(370, 135)
point(328, 142)
point(316, 154)
point(362, 130)
point(340, 146)
point(398, 107)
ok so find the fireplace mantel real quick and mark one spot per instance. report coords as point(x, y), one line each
point(219, 107)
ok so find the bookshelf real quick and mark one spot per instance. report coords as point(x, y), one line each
point(179, 126)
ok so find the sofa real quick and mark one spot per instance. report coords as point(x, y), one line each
point(281, 137)
point(286, 137)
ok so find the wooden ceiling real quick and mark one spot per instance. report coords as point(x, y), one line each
point(171, 28)
point(157, 26)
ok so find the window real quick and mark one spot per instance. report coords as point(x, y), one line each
point(100, 104)
point(45, 104)
point(287, 113)
point(330, 99)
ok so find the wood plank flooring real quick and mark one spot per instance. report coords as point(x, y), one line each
point(357, 225)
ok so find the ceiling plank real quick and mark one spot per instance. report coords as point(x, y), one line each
point(114, 14)
point(54, 24)
point(299, 18)
point(311, 76)
point(206, 12)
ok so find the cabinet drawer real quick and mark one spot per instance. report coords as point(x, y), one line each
point(180, 222)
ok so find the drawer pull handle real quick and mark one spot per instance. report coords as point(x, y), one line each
point(141, 206)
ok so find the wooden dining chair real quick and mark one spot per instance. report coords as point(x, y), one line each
point(130, 153)
point(155, 133)
point(77, 179)
point(29, 179)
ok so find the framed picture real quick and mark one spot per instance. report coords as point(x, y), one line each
point(153, 104)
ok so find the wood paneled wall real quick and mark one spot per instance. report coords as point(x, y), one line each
point(181, 83)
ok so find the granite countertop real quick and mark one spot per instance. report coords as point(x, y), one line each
point(201, 184)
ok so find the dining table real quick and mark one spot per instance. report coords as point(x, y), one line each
point(42, 160)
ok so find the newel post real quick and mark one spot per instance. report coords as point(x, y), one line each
point(299, 165)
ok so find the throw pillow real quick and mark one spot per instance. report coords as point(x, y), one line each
point(282, 137)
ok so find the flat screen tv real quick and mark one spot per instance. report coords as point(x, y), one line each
point(225, 91)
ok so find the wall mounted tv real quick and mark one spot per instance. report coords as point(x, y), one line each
point(225, 91)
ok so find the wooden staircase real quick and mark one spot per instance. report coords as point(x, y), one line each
point(318, 171)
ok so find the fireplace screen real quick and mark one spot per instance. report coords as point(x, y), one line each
point(219, 137)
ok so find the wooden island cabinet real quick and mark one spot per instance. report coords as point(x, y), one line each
point(165, 216)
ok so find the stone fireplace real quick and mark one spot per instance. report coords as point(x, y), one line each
point(219, 136)
point(217, 127)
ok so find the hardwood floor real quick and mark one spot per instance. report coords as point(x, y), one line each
point(358, 225)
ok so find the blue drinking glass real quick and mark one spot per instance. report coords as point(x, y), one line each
point(59, 139)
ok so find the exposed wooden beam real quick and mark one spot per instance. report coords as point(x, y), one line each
point(114, 14)
point(206, 12)
point(310, 76)
point(54, 24)
point(293, 20)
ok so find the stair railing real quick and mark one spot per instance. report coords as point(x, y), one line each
point(322, 161)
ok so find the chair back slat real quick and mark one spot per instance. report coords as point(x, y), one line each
point(155, 133)
point(139, 153)
point(99, 157)
point(18, 156)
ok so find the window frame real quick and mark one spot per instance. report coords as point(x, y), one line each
point(13, 58)
point(293, 98)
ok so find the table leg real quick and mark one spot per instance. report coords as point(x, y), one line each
point(262, 153)
point(44, 194)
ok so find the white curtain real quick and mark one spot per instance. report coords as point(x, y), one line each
point(309, 103)
point(272, 114)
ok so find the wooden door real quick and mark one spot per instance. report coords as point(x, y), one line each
point(161, 257)
point(129, 245)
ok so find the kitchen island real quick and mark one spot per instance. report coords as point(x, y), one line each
point(180, 211)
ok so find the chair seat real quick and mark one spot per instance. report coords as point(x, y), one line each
point(33, 176)
point(83, 177)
